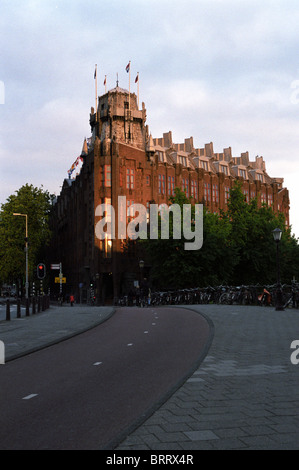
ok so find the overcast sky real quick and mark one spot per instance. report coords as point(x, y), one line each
point(222, 71)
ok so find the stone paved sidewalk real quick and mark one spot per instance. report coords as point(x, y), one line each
point(244, 395)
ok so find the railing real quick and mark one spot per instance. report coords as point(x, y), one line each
point(224, 295)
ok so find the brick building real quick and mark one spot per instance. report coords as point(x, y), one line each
point(122, 159)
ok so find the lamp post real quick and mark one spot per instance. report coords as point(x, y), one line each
point(277, 237)
point(26, 251)
point(141, 266)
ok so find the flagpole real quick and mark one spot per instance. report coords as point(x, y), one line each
point(129, 84)
point(138, 90)
point(96, 88)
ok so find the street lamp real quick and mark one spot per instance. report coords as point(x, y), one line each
point(277, 237)
point(141, 266)
point(26, 251)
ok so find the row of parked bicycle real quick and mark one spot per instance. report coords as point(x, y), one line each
point(229, 295)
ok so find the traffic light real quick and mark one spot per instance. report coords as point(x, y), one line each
point(41, 271)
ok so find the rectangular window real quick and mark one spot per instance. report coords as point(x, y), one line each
point(130, 178)
point(226, 194)
point(172, 185)
point(263, 198)
point(215, 193)
point(107, 176)
point(169, 186)
point(270, 200)
point(194, 189)
point(183, 160)
point(246, 194)
point(252, 194)
point(106, 244)
point(207, 192)
point(161, 184)
point(148, 212)
point(204, 165)
point(161, 157)
point(224, 169)
point(185, 186)
point(148, 180)
point(242, 173)
point(130, 212)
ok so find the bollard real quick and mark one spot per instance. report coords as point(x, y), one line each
point(7, 310)
point(43, 303)
point(27, 308)
point(33, 305)
point(18, 308)
point(38, 304)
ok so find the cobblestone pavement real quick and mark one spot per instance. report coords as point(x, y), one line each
point(245, 393)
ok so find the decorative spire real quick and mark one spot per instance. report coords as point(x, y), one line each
point(84, 148)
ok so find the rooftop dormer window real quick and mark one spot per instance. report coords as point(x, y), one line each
point(224, 169)
point(242, 173)
point(183, 160)
point(260, 177)
point(161, 157)
point(204, 164)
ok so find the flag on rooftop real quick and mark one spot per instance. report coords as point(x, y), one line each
point(128, 67)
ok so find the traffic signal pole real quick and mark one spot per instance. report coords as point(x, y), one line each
point(60, 278)
point(26, 251)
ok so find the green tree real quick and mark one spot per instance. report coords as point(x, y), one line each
point(36, 203)
point(252, 238)
point(238, 248)
point(175, 267)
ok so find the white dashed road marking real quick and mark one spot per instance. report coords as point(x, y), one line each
point(30, 396)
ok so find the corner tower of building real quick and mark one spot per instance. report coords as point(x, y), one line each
point(120, 156)
point(118, 119)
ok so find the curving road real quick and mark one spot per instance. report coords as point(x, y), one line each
point(88, 391)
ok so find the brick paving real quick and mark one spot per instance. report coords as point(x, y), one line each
point(244, 395)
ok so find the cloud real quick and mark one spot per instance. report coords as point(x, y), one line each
point(217, 70)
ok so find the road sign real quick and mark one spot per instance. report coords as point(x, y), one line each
point(60, 279)
point(55, 266)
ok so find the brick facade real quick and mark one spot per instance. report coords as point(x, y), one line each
point(122, 159)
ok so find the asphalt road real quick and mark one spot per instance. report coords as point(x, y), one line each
point(89, 391)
